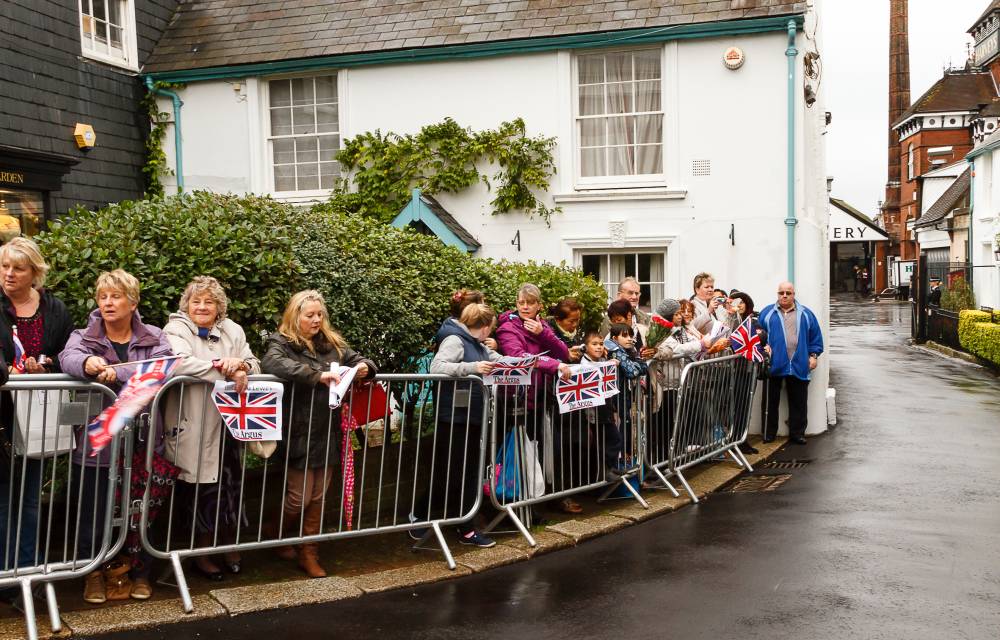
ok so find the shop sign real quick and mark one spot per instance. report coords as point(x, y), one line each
point(12, 177)
point(847, 228)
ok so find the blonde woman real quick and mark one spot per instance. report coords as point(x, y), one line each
point(300, 352)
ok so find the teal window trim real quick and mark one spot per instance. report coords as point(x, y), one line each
point(417, 211)
point(488, 49)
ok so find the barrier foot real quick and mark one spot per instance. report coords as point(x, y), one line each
point(628, 485)
point(687, 487)
point(520, 526)
point(666, 483)
point(55, 621)
point(29, 610)
point(444, 545)
point(745, 463)
point(182, 585)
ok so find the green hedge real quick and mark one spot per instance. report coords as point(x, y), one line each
point(979, 335)
point(387, 289)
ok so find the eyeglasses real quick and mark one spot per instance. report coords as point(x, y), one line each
point(786, 293)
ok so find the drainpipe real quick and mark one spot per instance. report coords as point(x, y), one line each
point(178, 148)
point(791, 53)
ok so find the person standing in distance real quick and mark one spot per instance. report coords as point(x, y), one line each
point(795, 342)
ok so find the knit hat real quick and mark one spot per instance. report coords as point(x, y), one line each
point(667, 308)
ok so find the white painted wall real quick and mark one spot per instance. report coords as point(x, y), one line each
point(985, 226)
point(735, 119)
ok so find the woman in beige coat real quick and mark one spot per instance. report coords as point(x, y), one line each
point(214, 348)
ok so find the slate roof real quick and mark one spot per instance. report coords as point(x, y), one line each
point(956, 91)
point(947, 202)
point(212, 33)
point(449, 221)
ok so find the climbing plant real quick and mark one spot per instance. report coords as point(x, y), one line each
point(380, 170)
point(156, 159)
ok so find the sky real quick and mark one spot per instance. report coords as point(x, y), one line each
point(855, 55)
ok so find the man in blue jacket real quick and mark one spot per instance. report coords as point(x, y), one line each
point(795, 342)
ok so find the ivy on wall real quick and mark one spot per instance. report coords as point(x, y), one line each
point(380, 170)
point(156, 159)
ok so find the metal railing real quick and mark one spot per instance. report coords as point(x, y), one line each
point(417, 458)
point(538, 454)
point(58, 502)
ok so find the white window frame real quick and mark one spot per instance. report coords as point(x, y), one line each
point(266, 153)
point(909, 163)
point(607, 252)
point(666, 100)
point(129, 58)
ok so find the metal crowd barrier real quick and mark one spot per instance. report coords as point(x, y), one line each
point(714, 404)
point(56, 512)
point(418, 461)
point(538, 454)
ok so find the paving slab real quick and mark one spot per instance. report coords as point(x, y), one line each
point(498, 556)
point(13, 628)
point(140, 615)
point(546, 541)
point(584, 528)
point(407, 576)
point(262, 597)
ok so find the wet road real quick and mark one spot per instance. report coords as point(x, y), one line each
point(892, 531)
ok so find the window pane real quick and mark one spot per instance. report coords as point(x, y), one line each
point(592, 162)
point(326, 89)
point(284, 177)
point(302, 120)
point(281, 122)
point(100, 9)
point(308, 176)
point(620, 98)
point(620, 161)
point(326, 118)
point(328, 172)
point(647, 65)
point(302, 91)
point(593, 132)
point(328, 147)
point(306, 150)
point(620, 131)
point(649, 159)
point(114, 12)
point(591, 266)
point(116, 37)
point(591, 69)
point(280, 92)
point(619, 66)
point(592, 100)
point(647, 96)
point(283, 151)
point(649, 129)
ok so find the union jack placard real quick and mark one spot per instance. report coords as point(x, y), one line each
point(585, 388)
point(745, 342)
point(609, 379)
point(511, 371)
point(254, 414)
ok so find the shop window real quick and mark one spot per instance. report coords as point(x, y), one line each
point(21, 213)
point(610, 268)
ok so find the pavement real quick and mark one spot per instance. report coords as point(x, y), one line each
point(886, 527)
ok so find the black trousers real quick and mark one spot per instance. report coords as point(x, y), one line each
point(798, 412)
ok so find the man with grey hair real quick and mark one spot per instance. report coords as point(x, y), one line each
point(630, 290)
point(795, 342)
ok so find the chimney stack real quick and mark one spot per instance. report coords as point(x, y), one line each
point(899, 102)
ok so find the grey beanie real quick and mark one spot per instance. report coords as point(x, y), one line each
point(667, 308)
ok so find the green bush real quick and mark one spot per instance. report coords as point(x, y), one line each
point(979, 335)
point(958, 296)
point(387, 289)
point(164, 242)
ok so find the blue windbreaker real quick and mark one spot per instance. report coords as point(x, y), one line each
point(810, 341)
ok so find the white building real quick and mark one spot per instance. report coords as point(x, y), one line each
point(683, 165)
point(984, 221)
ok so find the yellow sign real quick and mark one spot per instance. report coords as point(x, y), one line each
point(12, 177)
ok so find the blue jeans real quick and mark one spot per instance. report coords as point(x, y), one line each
point(25, 507)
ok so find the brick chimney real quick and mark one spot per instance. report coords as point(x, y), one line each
point(899, 102)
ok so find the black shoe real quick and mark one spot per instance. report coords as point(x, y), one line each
point(797, 439)
point(747, 449)
point(767, 439)
point(214, 576)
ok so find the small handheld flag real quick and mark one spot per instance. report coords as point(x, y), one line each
point(138, 392)
point(19, 356)
point(745, 342)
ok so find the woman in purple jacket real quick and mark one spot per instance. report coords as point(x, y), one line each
point(115, 333)
point(524, 332)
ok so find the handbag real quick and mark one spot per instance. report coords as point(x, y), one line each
point(369, 401)
point(40, 432)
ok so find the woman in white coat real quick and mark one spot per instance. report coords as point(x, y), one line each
point(214, 348)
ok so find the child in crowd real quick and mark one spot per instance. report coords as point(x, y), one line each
point(603, 419)
point(620, 344)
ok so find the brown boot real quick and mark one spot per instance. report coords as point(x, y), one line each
point(309, 552)
point(270, 532)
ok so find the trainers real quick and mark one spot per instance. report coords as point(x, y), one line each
point(141, 589)
point(93, 588)
point(476, 539)
point(417, 534)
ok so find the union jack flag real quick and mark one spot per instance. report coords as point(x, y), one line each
point(503, 369)
point(745, 342)
point(609, 378)
point(19, 356)
point(584, 385)
point(138, 392)
point(248, 410)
